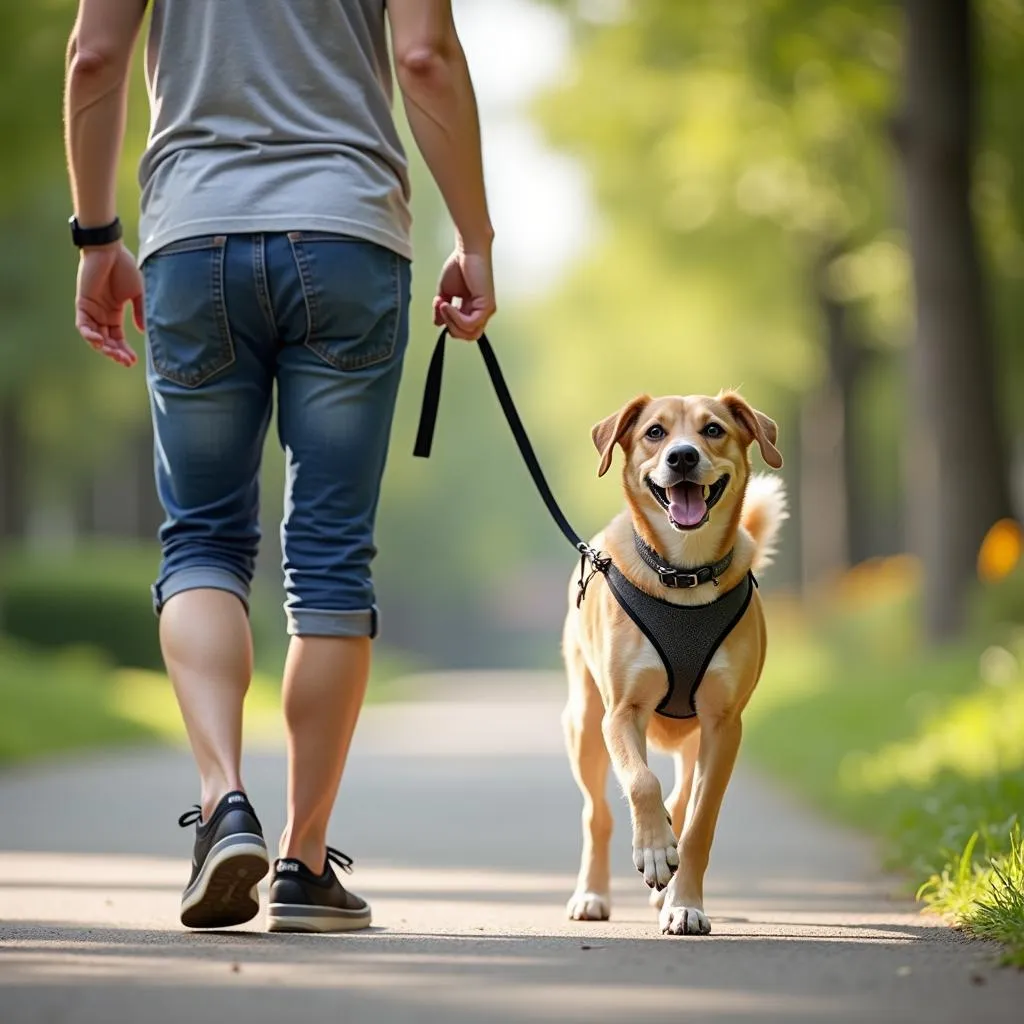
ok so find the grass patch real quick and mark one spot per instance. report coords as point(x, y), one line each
point(924, 750)
point(75, 698)
point(58, 702)
point(987, 898)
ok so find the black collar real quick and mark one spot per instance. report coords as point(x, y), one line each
point(683, 579)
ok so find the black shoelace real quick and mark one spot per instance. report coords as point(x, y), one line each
point(342, 860)
point(191, 817)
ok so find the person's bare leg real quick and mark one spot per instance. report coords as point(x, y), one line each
point(324, 686)
point(207, 648)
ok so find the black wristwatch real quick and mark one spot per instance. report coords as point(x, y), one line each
point(83, 237)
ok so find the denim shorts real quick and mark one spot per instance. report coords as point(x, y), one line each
point(325, 318)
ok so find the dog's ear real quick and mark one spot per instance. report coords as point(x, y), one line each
point(613, 428)
point(756, 425)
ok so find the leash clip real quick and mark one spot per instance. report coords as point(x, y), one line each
point(598, 563)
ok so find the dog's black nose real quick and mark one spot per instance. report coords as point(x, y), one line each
point(683, 456)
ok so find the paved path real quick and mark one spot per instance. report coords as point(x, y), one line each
point(463, 820)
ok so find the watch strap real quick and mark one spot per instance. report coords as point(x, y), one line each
point(83, 237)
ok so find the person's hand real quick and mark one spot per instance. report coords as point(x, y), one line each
point(466, 276)
point(108, 279)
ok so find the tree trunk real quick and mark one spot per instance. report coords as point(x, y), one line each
point(956, 479)
point(823, 534)
point(834, 498)
point(848, 360)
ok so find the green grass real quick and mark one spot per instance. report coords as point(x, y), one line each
point(987, 897)
point(75, 698)
point(924, 750)
point(60, 702)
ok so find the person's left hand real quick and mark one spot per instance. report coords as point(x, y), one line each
point(108, 279)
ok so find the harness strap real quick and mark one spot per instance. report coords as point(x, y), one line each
point(685, 637)
point(428, 421)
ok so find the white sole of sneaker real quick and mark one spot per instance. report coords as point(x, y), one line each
point(287, 917)
point(225, 893)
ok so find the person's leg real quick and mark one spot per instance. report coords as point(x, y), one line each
point(211, 385)
point(324, 685)
point(338, 378)
point(207, 648)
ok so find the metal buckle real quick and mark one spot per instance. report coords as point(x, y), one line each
point(678, 580)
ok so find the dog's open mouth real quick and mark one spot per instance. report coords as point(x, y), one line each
point(688, 505)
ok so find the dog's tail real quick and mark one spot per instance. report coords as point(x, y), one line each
point(765, 509)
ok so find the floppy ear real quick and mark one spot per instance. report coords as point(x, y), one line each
point(613, 428)
point(758, 427)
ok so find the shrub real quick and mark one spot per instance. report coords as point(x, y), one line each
point(97, 596)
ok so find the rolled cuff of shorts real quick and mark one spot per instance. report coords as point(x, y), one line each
point(199, 577)
point(315, 622)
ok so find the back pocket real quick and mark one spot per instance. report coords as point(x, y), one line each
point(186, 317)
point(353, 295)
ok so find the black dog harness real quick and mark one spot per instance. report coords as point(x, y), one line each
point(684, 636)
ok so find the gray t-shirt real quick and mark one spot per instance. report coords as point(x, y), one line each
point(271, 115)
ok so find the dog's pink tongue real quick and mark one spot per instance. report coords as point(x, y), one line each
point(687, 506)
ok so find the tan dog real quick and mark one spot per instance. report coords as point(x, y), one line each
point(691, 498)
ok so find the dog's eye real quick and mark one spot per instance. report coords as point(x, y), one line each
point(713, 430)
point(656, 432)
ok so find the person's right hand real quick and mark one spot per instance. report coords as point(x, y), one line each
point(466, 276)
point(108, 280)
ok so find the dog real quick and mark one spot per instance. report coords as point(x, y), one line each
point(691, 499)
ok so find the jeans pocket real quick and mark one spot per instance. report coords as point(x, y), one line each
point(353, 295)
point(186, 316)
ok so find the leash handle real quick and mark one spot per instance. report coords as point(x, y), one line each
point(428, 421)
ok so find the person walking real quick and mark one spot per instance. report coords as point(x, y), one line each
point(274, 250)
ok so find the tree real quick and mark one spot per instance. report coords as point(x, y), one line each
point(957, 481)
point(721, 136)
point(738, 154)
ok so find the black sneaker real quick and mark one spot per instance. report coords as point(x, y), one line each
point(303, 902)
point(230, 857)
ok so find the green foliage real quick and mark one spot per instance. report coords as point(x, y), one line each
point(61, 702)
point(986, 898)
point(743, 162)
point(33, 40)
point(925, 750)
point(98, 597)
point(74, 698)
point(1000, 604)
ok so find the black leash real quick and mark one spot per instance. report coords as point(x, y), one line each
point(425, 440)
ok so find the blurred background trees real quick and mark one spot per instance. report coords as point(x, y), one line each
point(820, 202)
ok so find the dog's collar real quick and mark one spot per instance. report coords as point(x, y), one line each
point(683, 579)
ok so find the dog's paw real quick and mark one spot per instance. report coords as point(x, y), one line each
point(657, 898)
point(589, 906)
point(655, 856)
point(684, 921)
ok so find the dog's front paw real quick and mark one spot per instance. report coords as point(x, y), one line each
point(589, 906)
point(655, 855)
point(684, 921)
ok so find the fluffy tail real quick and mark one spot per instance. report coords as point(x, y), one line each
point(764, 511)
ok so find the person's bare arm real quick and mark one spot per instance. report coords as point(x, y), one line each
point(95, 110)
point(441, 106)
point(95, 102)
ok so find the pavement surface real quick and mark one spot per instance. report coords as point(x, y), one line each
point(463, 820)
